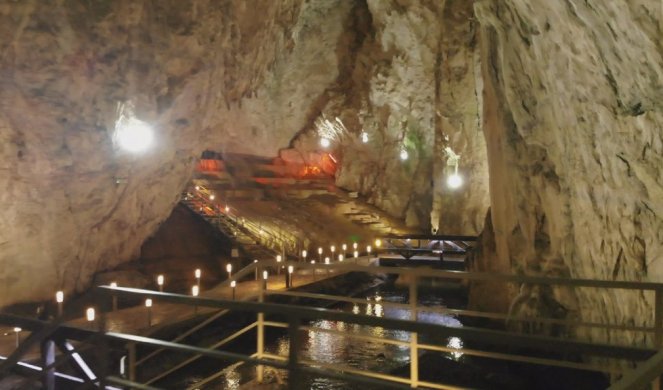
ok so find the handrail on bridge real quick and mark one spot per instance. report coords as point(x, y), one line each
point(296, 315)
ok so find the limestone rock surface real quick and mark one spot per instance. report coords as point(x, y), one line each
point(573, 119)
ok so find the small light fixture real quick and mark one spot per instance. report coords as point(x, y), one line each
point(325, 142)
point(148, 302)
point(195, 290)
point(378, 243)
point(356, 254)
point(345, 247)
point(354, 245)
point(340, 258)
point(291, 269)
point(59, 297)
point(279, 258)
point(197, 188)
point(113, 284)
point(133, 135)
point(211, 197)
point(227, 209)
point(197, 273)
point(326, 260)
point(265, 275)
point(368, 249)
point(320, 250)
point(364, 137)
point(304, 253)
point(89, 314)
point(160, 280)
point(229, 269)
point(404, 155)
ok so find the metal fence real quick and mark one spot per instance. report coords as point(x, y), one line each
point(297, 318)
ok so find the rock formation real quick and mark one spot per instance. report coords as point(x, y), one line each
point(572, 117)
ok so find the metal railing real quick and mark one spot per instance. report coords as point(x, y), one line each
point(298, 316)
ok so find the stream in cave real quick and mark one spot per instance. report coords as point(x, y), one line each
point(341, 350)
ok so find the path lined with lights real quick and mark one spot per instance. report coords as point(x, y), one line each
point(153, 315)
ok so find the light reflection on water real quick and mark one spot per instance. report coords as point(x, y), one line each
point(341, 350)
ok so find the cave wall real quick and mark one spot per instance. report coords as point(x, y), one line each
point(232, 76)
point(410, 80)
point(72, 202)
point(572, 116)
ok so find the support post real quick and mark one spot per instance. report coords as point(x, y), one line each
point(261, 334)
point(414, 352)
point(132, 361)
point(293, 360)
point(658, 330)
point(48, 359)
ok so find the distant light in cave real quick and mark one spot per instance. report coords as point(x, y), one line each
point(211, 197)
point(455, 181)
point(133, 135)
point(325, 142)
point(404, 154)
point(364, 137)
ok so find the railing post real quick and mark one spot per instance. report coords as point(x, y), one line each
point(131, 347)
point(658, 318)
point(293, 359)
point(658, 330)
point(48, 359)
point(261, 334)
point(414, 352)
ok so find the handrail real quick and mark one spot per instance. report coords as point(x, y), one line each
point(481, 335)
point(642, 376)
point(240, 274)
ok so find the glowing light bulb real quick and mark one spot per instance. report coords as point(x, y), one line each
point(229, 268)
point(227, 209)
point(404, 154)
point(319, 251)
point(455, 181)
point(17, 329)
point(340, 257)
point(326, 260)
point(290, 269)
point(148, 302)
point(279, 258)
point(265, 275)
point(378, 243)
point(233, 284)
point(197, 273)
point(356, 254)
point(344, 247)
point(134, 135)
point(113, 284)
point(325, 142)
point(89, 314)
point(195, 290)
point(211, 197)
point(354, 245)
point(364, 137)
point(59, 297)
point(160, 280)
point(304, 253)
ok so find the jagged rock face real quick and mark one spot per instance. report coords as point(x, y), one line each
point(409, 81)
point(247, 77)
point(572, 119)
point(73, 203)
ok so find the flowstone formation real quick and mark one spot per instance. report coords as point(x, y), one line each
point(572, 117)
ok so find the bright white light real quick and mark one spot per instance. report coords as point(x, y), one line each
point(148, 302)
point(160, 280)
point(59, 297)
point(326, 260)
point(333, 248)
point(368, 249)
point(197, 188)
point(233, 284)
point(340, 257)
point(227, 209)
point(113, 284)
point(278, 258)
point(17, 329)
point(290, 269)
point(364, 137)
point(89, 314)
point(195, 290)
point(344, 247)
point(211, 197)
point(378, 242)
point(265, 275)
point(354, 245)
point(229, 268)
point(319, 251)
point(356, 254)
point(134, 135)
point(197, 273)
point(324, 142)
point(304, 253)
point(455, 181)
point(404, 154)
point(455, 343)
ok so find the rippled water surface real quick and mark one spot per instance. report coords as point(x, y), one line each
point(341, 350)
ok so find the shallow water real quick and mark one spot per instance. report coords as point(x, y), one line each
point(350, 352)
